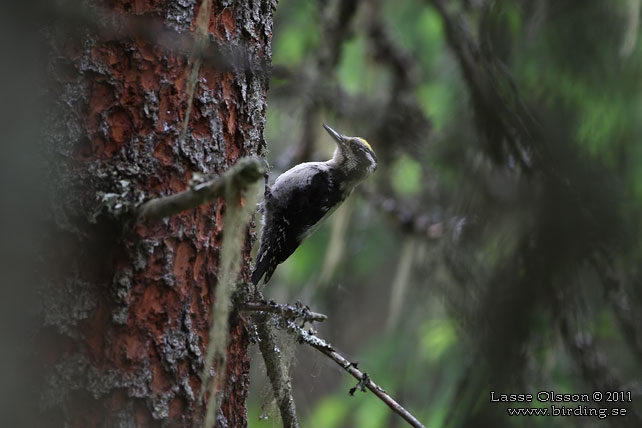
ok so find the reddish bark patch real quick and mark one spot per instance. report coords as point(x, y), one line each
point(176, 407)
point(117, 400)
point(177, 183)
point(223, 23)
point(151, 303)
point(201, 129)
point(149, 53)
point(228, 20)
point(102, 98)
point(164, 152)
point(204, 223)
point(183, 263)
point(121, 130)
point(160, 379)
point(148, 78)
point(142, 416)
point(210, 77)
point(112, 55)
point(199, 267)
point(168, 106)
point(134, 350)
point(228, 85)
point(231, 120)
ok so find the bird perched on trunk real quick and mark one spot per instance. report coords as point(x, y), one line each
point(302, 197)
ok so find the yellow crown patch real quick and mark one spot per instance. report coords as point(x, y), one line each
point(366, 144)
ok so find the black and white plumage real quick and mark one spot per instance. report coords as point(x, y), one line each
point(302, 197)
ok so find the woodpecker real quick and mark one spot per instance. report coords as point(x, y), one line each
point(302, 197)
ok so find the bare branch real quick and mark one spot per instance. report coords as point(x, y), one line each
point(245, 172)
point(287, 311)
point(321, 345)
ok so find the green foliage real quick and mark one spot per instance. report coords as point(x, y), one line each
point(353, 71)
point(437, 101)
point(436, 337)
point(419, 29)
point(406, 176)
point(297, 35)
point(567, 69)
point(306, 259)
point(330, 412)
point(367, 259)
point(371, 413)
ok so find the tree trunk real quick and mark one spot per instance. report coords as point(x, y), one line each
point(126, 307)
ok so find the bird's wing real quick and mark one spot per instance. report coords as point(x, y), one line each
point(289, 221)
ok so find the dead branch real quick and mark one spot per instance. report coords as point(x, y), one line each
point(297, 311)
point(365, 381)
point(245, 172)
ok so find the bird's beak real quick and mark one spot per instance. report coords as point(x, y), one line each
point(338, 137)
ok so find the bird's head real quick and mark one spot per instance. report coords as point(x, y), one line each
point(354, 153)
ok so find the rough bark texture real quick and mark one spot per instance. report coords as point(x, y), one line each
point(126, 308)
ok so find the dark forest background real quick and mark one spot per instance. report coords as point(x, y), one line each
point(496, 248)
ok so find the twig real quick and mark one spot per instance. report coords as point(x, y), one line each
point(309, 338)
point(279, 379)
point(287, 311)
point(244, 172)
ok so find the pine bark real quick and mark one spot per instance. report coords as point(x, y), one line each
point(126, 307)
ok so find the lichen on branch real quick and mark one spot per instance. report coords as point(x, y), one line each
point(241, 175)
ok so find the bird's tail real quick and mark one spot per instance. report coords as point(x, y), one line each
point(263, 267)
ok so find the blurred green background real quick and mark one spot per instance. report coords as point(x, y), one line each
point(497, 246)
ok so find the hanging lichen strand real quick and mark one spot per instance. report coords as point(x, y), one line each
point(237, 218)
